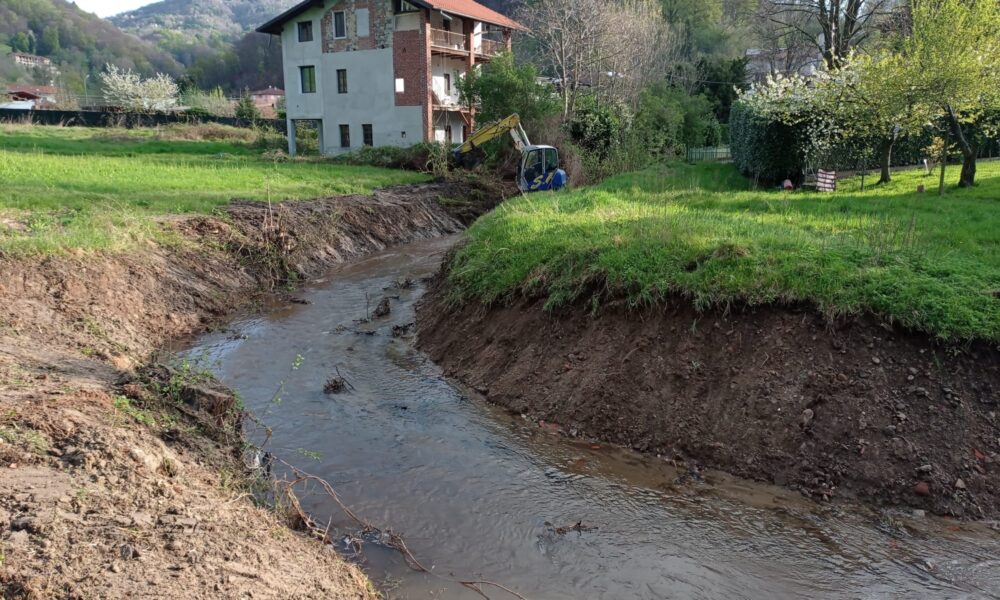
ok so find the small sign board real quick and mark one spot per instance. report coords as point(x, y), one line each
point(826, 181)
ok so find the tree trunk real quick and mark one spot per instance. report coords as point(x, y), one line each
point(885, 158)
point(968, 176)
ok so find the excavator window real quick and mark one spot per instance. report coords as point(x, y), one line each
point(551, 160)
point(534, 165)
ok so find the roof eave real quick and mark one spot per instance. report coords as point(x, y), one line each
point(275, 25)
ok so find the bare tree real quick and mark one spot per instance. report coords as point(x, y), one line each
point(833, 27)
point(613, 48)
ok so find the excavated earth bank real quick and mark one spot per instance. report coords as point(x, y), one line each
point(116, 484)
point(854, 409)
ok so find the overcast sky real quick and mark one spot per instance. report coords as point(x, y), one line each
point(106, 8)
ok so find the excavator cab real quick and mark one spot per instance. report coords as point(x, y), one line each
point(539, 169)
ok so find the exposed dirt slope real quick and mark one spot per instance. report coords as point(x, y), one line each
point(856, 409)
point(110, 490)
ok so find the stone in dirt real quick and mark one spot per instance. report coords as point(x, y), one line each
point(922, 488)
point(383, 308)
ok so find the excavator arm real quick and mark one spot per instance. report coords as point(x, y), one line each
point(483, 135)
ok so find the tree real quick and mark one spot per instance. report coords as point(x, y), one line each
point(246, 108)
point(23, 42)
point(502, 87)
point(612, 48)
point(872, 99)
point(833, 27)
point(127, 89)
point(49, 44)
point(952, 58)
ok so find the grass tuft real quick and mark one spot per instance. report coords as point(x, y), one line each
point(929, 263)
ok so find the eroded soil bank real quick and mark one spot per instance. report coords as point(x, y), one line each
point(117, 485)
point(855, 409)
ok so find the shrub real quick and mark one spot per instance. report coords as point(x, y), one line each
point(767, 151)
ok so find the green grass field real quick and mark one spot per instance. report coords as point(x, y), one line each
point(927, 262)
point(83, 188)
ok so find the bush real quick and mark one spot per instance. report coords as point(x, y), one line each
point(767, 151)
point(414, 158)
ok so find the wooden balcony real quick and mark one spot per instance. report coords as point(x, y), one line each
point(454, 44)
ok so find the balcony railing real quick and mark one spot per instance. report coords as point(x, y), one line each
point(451, 40)
point(448, 39)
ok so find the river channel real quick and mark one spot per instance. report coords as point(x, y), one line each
point(477, 493)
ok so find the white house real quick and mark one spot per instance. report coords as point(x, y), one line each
point(383, 72)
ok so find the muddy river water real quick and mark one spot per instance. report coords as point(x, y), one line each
point(479, 494)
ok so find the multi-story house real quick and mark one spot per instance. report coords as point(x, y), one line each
point(383, 72)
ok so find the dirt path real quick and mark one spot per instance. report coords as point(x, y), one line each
point(115, 484)
point(856, 410)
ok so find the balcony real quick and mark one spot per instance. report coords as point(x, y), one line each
point(454, 43)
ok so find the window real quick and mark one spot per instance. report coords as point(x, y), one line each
point(306, 31)
point(345, 136)
point(339, 24)
point(307, 76)
point(341, 81)
point(366, 133)
point(402, 6)
point(447, 84)
point(400, 85)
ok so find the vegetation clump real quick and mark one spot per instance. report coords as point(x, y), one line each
point(701, 232)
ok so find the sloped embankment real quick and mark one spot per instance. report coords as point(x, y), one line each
point(855, 409)
point(114, 489)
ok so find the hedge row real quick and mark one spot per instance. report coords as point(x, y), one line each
point(770, 152)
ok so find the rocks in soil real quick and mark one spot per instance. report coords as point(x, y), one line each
point(922, 488)
point(383, 307)
point(402, 330)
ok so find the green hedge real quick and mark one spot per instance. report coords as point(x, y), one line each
point(767, 151)
point(770, 152)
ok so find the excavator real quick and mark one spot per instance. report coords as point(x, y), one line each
point(538, 168)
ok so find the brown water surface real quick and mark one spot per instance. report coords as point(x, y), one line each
point(479, 494)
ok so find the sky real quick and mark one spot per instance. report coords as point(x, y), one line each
point(106, 8)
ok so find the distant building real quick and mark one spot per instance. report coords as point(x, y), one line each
point(384, 72)
point(30, 60)
point(36, 93)
point(266, 101)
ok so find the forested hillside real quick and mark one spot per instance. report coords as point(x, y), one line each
point(174, 23)
point(80, 43)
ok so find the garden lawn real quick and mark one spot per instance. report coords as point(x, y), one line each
point(67, 188)
point(929, 263)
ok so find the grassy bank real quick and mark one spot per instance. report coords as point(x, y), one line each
point(71, 187)
point(929, 263)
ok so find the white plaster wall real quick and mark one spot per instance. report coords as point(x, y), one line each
point(296, 54)
point(443, 118)
point(370, 98)
point(452, 66)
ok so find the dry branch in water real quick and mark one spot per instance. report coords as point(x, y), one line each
point(391, 539)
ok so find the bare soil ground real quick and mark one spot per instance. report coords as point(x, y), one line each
point(856, 409)
point(113, 485)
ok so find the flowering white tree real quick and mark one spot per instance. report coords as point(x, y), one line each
point(127, 89)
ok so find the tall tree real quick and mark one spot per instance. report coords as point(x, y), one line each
point(833, 27)
point(613, 48)
point(952, 58)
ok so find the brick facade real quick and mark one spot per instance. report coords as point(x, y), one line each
point(411, 58)
point(380, 26)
